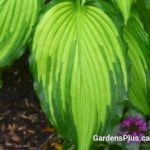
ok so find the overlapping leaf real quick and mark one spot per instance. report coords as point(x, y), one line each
point(17, 18)
point(79, 68)
point(124, 7)
point(139, 54)
point(143, 8)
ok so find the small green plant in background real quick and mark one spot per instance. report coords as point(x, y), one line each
point(89, 60)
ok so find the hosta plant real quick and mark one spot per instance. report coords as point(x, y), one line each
point(79, 65)
point(17, 19)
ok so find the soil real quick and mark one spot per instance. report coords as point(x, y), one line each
point(23, 125)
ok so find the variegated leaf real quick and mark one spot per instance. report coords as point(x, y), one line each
point(17, 19)
point(79, 68)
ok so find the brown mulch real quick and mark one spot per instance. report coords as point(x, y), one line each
point(23, 125)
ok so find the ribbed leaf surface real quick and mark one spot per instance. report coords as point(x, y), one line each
point(17, 18)
point(79, 70)
point(139, 54)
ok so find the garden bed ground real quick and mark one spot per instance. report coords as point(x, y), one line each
point(23, 125)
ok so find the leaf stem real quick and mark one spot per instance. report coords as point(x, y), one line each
point(78, 4)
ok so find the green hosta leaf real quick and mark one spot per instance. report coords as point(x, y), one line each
point(124, 7)
point(79, 69)
point(17, 18)
point(139, 54)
